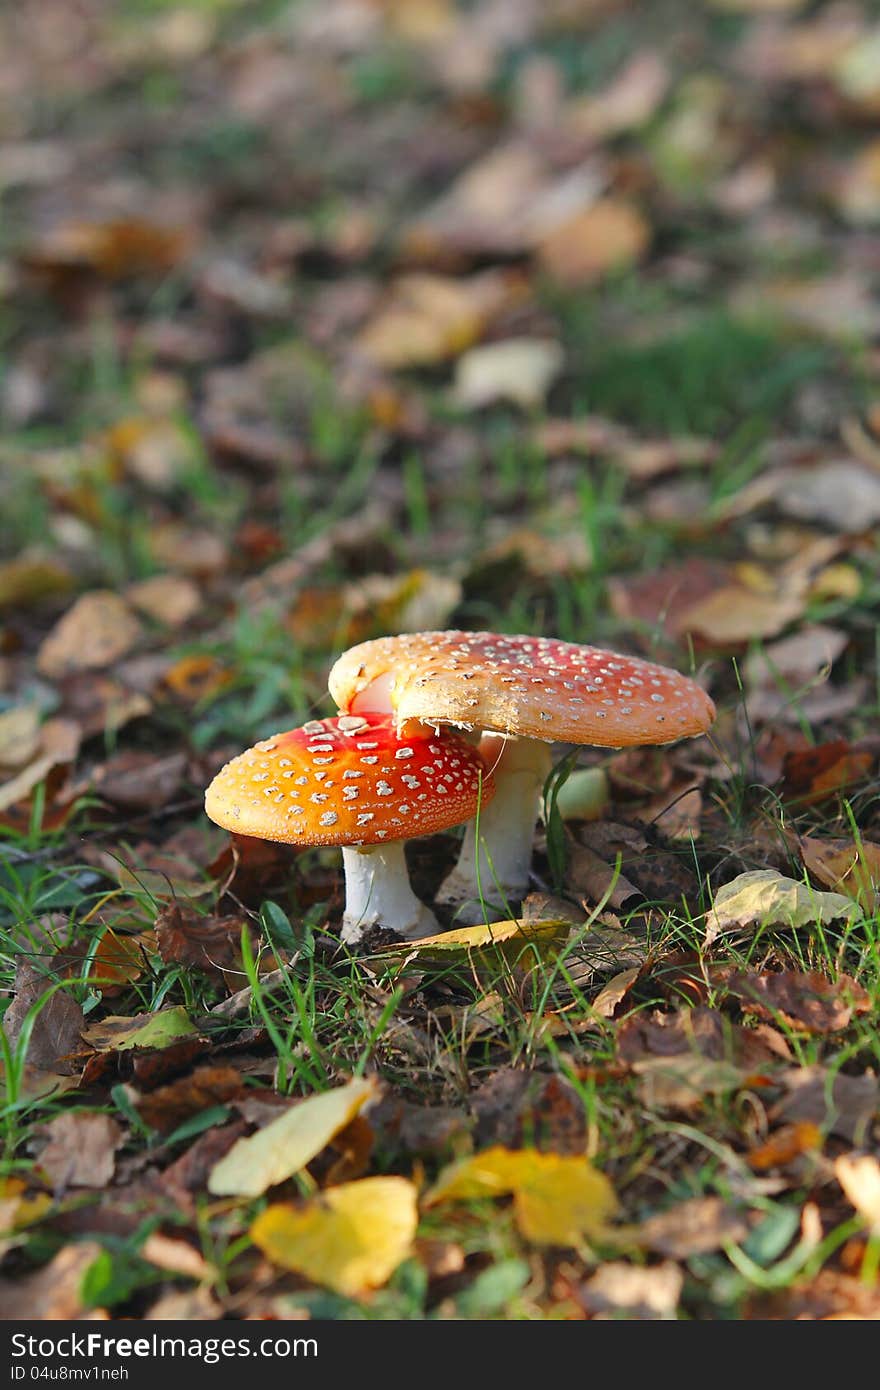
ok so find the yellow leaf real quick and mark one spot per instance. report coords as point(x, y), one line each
point(286, 1145)
point(771, 900)
point(513, 938)
point(351, 1238)
point(558, 1200)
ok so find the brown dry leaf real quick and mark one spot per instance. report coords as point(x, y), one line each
point(812, 775)
point(683, 1082)
point(19, 737)
point(558, 1200)
point(846, 866)
point(58, 746)
point(843, 496)
point(764, 897)
point(805, 1000)
point(606, 237)
point(694, 1227)
point(175, 1256)
point(350, 1238)
point(838, 1104)
point(785, 1145)
point(98, 630)
point(168, 1106)
point(735, 614)
point(58, 1029)
point(614, 992)
point(169, 599)
point(627, 103)
point(53, 1293)
point(115, 249)
point(830, 1296)
point(859, 1176)
point(618, 1290)
point(212, 944)
point(431, 318)
point(285, 1145)
point(140, 781)
point(191, 550)
point(519, 370)
point(81, 1151)
point(119, 959)
point(659, 600)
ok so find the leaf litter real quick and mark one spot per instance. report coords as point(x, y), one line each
point(527, 321)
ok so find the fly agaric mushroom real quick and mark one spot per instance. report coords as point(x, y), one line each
point(522, 693)
point(352, 782)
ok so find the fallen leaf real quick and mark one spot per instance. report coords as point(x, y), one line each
point(169, 599)
point(284, 1146)
point(804, 1000)
point(842, 495)
point(558, 1200)
point(785, 1145)
point(846, 866)
point(161, 1029)
point(59, 1024)
point(196, 677)
point(766, 898)
point(141, 781)
point(694, 1227)
point(81, 1151)
point(735, 614)
point(829, 1296)
point(30, 578)
point(350, 1238)
point(19, 736)
point(611, 995)
point(175, 1256)
point(116, 249)
point(169, 1106)
point(682, 1082)
point(59, 741)
point(838, 1104)
point(431, 318)
point(98, 630)
point(606, 237)
point(812, 775)
point(212, 944)
point(519, 370)
point(18, 1210)
point(859, 1176)
point(619, 1289)
point(55, 1292)
point(514, 939)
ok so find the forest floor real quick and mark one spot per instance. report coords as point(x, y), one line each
point(325, 321)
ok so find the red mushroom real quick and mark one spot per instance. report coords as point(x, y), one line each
point(523, 693)
point(351, 781)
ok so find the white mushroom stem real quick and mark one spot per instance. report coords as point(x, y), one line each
point(497, 872)
point(378, 893)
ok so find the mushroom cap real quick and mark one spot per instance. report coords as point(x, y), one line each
point(529, 687)
point(349, 781)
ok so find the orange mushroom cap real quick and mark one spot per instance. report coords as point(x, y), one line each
point(349, 781)
point(530, 687)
